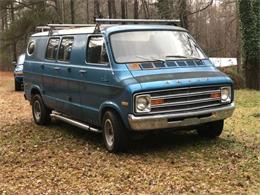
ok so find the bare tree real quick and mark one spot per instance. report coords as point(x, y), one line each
point(12, 21)
point(183, 13)
point(136, 9)
point(97, 12)
point(146, 9)
point(72, 11)
point(87, 2)
point(109, 6)
point(123, 9)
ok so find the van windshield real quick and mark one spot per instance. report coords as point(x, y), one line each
point(139, 46)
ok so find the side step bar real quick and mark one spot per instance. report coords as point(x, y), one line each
point(73, 122)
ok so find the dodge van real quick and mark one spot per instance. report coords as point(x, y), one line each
point(125, 78)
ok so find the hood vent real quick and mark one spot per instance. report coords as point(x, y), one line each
point(175, 63)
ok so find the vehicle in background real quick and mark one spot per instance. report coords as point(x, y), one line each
point(18, 73)
point(125, 79)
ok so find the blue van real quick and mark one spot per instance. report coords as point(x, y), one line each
point(121, 79)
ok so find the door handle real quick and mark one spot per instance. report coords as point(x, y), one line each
point(56, 68)
point(82, 71)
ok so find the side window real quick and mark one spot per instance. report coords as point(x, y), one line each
point(31, 48)
point(96, 51)
point(65, 49)
point(52, 48)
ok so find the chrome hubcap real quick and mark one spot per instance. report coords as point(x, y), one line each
point(37, 110)
point(109, 132)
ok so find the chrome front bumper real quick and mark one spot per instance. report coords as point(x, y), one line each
point(166, 121)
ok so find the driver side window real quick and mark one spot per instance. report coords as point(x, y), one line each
point(96, 51)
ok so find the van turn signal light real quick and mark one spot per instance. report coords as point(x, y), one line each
point(215, 95)
point(157, 101)
point(134, 66)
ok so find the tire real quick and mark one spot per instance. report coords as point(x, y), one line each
point(211, 130)
point(114, 133)
point(17, 86)
point(41, 114)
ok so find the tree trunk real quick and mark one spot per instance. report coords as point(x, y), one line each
point(63, 11)
point(97, 12)
point(183, 12)
point(87, 11)
point(72, 13)
point(14, 41)
point(146, 9)
point(136, 14)
point(113, 5)
point(58, 8)
point(249, 12)
point(123, 9)
point(109, 7)
point(238, 41)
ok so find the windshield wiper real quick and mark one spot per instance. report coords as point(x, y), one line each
point(151, 59)
point(180, 56)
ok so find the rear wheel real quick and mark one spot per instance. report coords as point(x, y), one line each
point(17, 86)
point(114, 132)
point(41, 114)
point(211, 130)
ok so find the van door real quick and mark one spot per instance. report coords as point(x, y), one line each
point(67, 59)
point(51, 73)
point(95, 79)
point(56, 70)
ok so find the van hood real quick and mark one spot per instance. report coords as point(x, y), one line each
point(179, 77)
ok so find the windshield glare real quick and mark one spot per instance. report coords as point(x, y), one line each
point(137, 46)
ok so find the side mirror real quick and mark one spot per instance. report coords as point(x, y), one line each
point(14, 63)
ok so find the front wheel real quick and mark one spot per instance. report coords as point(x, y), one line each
point(211, 130)
point(114, 132)
point(41, 114)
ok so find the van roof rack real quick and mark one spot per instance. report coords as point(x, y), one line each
point(104, 21)
point(136, 21)
point(51, 27)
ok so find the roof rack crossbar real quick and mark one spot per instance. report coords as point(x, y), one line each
point(136, 21)
point(52, 27)
point(70, 25)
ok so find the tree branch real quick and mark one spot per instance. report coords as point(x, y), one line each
point(202, 9)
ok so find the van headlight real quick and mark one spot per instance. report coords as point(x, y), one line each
point(226, 94)
point(143, 103)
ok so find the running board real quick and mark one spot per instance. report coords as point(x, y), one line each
point(73, 122)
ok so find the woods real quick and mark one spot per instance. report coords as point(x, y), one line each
point(214, 24)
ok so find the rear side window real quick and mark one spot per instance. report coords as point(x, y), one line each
point(52, 48)
point(31, 48)
point(96, 51)
point(65, 49)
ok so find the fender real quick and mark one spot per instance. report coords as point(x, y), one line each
point(33, 88)
point(114, 106)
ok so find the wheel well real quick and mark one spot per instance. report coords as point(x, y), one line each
point(104, 110)
point(35, 91)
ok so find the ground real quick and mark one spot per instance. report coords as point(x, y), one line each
point(63, 159)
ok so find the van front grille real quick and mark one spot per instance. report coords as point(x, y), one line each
point(186, 99)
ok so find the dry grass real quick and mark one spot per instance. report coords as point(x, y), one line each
point(63, 159)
